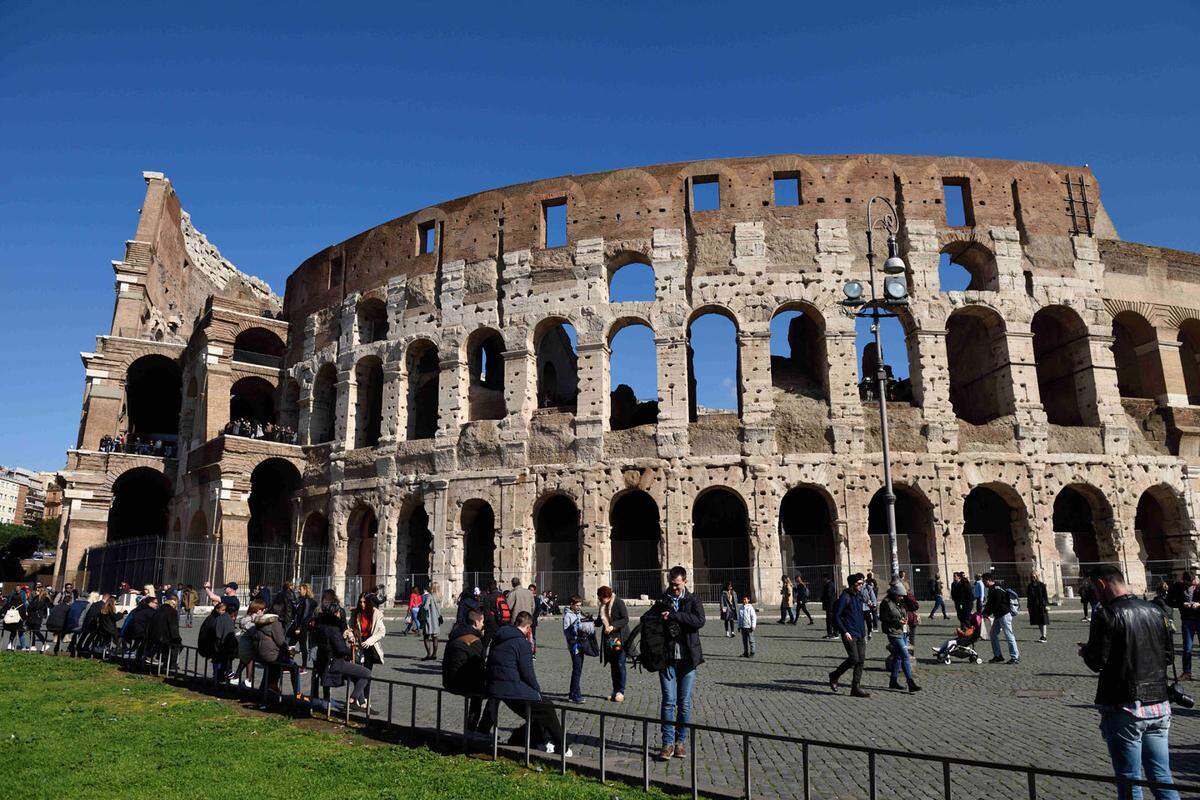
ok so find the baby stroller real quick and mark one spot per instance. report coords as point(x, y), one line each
point(961, 647)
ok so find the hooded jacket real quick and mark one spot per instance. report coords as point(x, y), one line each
point(164, 626)
point(462, 661)
point(270, 641)
point(57, 621)
point(216, 639)
point(510, 674)
point(138, 622)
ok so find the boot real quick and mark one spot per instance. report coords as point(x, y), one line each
point(913, 687)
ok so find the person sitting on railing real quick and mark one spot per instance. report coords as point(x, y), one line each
point(334, 663)
point(162, 636)
point(368, 630)
point(271, 651)
point(463, 668)
point(217, 642)
point(133, 635)
point(512, 680)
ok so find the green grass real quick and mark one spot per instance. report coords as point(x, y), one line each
point(83, 729)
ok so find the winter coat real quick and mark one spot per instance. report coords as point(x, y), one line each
point(848, 615)
point(39, 607)
point(216, 639)
point(88, 621)
point(520, 599)
point(690, 618)
point(466, 605)
point(463, 670)
point(330, 640)
point(510, 674)
point(997, 603)
point(829, 595)
point(430, 615)
point(1038, 601)
point(188, 599)
point(138, 623)
point(892, 616)
point(106, 625)
point(618, 618)
point(747, 617)
point(374, 639)
point(164, 626)
point(801, 592)
point(57, 621)
point(785, 593)
point(270, 642)
point(729, 605)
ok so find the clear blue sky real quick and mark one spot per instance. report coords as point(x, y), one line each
point(284, 131)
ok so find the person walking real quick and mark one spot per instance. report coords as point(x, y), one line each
point(961, 596)
point(56, 622)
point(1130, 647)
point(999, 607)
point(431, 621)
point(829, 596)
point(850, 625)
point(304, 609)
point(979, 593)
point(801, 600)
point(411, 622)
point(747, 619)
point(1185, 596)
point(870, 605)
point(786, 612)
point(939, 602)
point(188, 598)
point(729, 609)
point(893, 614)
point(1038, 600)
point(35, 618)
point(614, 629)
point(512, 680)
point(367, 630)
point(519, 599)
point(575, 628)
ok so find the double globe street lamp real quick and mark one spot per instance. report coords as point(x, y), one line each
point(894, 295)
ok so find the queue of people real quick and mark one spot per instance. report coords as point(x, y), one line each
point(255, 429)
point(138, 445)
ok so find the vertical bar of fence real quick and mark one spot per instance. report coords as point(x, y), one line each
point(562, 744)
point(804, 769)
point(603, 746)
point(496, 739)
point(391, 693)
point(347, 703)
point(746, 788)
point(466, 725)
point(946, 781)
point(528, 730)
point(692, 766)
point(439, 716)
point(1032, 785)
point(645, 755)
point(412, 717)
point(871, 775)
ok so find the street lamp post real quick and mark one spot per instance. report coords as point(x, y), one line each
point(895, 294)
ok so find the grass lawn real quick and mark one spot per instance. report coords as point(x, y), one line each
point(83, 729)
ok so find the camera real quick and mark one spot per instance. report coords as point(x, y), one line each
point(1178, 697)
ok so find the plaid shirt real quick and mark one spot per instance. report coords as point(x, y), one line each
point(1142, 710)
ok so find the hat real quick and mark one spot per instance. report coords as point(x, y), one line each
point(231, 585)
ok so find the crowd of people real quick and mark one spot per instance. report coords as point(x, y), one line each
point(254, 429)
point(137, 445)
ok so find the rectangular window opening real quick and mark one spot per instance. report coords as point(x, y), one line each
point(706, 193)
point(787, 189)
point(554, 222)
point(427, 237)
point(956, 196)
point(335, 273)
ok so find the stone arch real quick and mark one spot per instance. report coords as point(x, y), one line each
point(1163, 533)
point(636, 544)
point(636, 281)
point(257, 345)
point(799, 360)
point(485, 365)
point(981, 384)
point(289, 404)
point(721, 547)
point(414, 544)
point(557, 364)
point(634, 358)
point(372, 320)
point(368, 401)
point(314, 547)
point(902, 327)
point(274, 483)
point(1065, 374)
point(974, 258)
point(153, 397)
point(1083, 531)
point(252, 398)
point(916, 543)
point(478, 524)
point(996, 533)
point(423, 369)
point(1135, 352)
point(557, 543)
point(198, 527)
point(808, 534)
point(694, 384)
point(323, 410)
point(139, 508)
point(362, 530)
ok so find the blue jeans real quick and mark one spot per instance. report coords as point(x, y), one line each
point(1003, 625)
point(676, 703)
point(616, 665)
point(938, 603)
point(576, 675)
point(898, 645)
point(1136, 744)
point(1191, 632)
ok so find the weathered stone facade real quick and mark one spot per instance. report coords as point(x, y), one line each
point(1063, 381)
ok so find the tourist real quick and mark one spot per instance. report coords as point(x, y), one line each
point(1162, 599)
point(1185, 596)
point(966, 635)
point(1130, 647)
point(411, 623)
point(367, 630)
point(829, 596)
point(1038, 601)
point(683, 617)
point(899, 580)
point(1088, 599)
point(246, 627)
point(939, 602)
point(134, 631)
point(431, 621)
point(979, 593)
point(540, 607)
point(228, 597)
point(999, 607)
point(614, 627)
point(747, 619)
point(87, 625)
point(729, 609)
point(188, 598)
point(800, 600)
point(463, 666)
point(13, 614)
point(271, 651)
point(329, 638)
point(575, 628)
point(870, 604)
point(56, 622)
point(35, 618)
point(106, 626)
point(519, 599)
point(893, 614)
point(162, 634)
point(962, 597)
point(848, 622)
point(495, 610)
point(511, 679)
point(786, 613)
point(302, 614)
point(216, 642)
point(467, 602)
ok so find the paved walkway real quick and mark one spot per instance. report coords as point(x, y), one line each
point(1037, 712)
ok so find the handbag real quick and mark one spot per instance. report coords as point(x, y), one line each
point(12, 616)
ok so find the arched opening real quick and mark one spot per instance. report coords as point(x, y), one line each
point(556, 537)
point(636, 545)
point(1189, 356)
point(372, 321)
point(808, 541)
point(1082, 525)
point(898, 359)
point(414, 547)
point(1064, 367)
point(289, 410)
point(423, 370)
point(915, 543)
point(273, 485)
point(714, 366)
point(361, 573)
point(1135, 352)
point(258, 346)
point(981, 386)
point(630, 281)
point(967, 266)
point(479, 544)
point(314, 553)
point(634, 375)
point(153, 389)
point(995, 529)
point(139, 505)
point(485, 363)
point(252, 403)
point(324, 405)
point(1162, 533)
point(799, 363)
point(368, 401)
point(557, 366)
point(720, 545)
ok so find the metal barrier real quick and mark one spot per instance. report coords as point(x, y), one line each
point(191, 659)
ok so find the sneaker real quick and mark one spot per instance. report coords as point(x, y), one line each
point(680, 750)
point(1042, 640)
point(833, 684)
point(1014, 661)
point(856, 692)
point(618, 698)
point(668, 752)
point(996, 660)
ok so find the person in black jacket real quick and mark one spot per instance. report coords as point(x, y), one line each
point(1038, 602)
point(998, 606)
point(328, 626)
point(463, 667)
point(962, 596)
point(84, 641)
point(684, 616)
point(137, 624)
point(1129, 644)
point(302, 614)
point(217, 642)
point(829, 596)
point(162, 634)
point(56, 623)
point(467, 602)
point(614, 631)
point(336, 662)
point(511, 679)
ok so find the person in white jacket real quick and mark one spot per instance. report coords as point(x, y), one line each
point(367, 631)
point(747, 619)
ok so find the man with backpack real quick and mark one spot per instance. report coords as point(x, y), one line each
point(670, 646)
point(1001, 604)
point(496, 611)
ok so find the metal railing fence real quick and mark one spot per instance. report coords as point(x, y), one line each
point(162, 665)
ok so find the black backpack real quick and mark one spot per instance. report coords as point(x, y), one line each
point(655, 640)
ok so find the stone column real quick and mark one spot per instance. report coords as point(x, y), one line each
point(453, 380)
point(1031, 428)
point(445, 562)
point(520, 397)
point(214, 391)
point(592, 408)
point(758, 402)
point(670, 350)
point(1169, 353)
point(131, 289)
point(845, 406)
point(931, 387)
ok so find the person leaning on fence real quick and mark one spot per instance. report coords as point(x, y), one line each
point(271, 652)
point(217, 643)
point(850, 625)
point(328, 629)
point(1129, 644)
point(463, 667)
point(511, 679)
point(162, 636)
point(430, 620)
point(106, 625)
point(136, 629)
point(335, 664)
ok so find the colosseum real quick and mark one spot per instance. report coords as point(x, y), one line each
point(431, 399)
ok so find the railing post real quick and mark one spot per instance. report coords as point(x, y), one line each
point(695, 738)
point(603, 746)
point(347, 704)
point(804, 769)
point(439, 716)
point(391, 693)
point(1032, 785)
point(946, 781)
point(496, 737)
point(871, 775)
point(412, 719)
point(746, 788)
point(562, 744)
point(466, 725)
point(528, 730)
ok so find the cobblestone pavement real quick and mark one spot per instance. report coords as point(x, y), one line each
point(1038, 712)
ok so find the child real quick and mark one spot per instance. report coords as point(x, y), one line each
point(747, 619)
point(965, 636)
